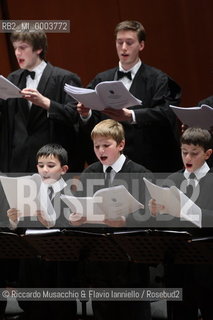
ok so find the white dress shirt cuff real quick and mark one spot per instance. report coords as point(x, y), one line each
point(13, 225)
point(133, 117)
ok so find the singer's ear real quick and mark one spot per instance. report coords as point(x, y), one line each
point(64, 169)
point(208, 154)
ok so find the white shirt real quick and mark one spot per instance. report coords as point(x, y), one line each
point(33, 83)
point(58, 186)
point(199, 173)
point(116, 166)
point(126, 81)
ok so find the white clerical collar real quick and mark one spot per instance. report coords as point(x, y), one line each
point(199, 173)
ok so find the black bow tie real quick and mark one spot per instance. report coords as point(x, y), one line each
point(31, 73)
point(121, 74)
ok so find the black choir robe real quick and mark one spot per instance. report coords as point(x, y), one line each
point(22, 134)
point(154, 140)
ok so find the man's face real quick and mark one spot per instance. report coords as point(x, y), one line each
point(26, 57)
point(128, 48)
point(107, 150)
point(194, 156)
point(50, 169)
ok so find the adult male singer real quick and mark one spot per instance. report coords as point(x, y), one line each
point(44, 114)
point(150, 128)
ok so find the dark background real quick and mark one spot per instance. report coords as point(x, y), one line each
point(179, 37)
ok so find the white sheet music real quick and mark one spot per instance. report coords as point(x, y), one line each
point(28, 194)
point(175, 203)
point(8, 89)
point(195, 116)
point(107, 94)
point(110, 203)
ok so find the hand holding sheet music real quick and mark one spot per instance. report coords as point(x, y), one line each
point(26, 194)
point(107, 94)
point(175, 203)
point(108, 203)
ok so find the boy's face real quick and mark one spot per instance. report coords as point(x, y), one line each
point(194, 156)
point(128, 48)
point(50, 169)
point(26, 57)
point(107, 150)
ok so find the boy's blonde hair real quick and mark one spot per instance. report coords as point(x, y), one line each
point(109, 128)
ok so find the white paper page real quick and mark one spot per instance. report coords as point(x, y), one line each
point(115, 95)
point(85, 207)
point(8, 89)
point(110, 203)
point(176, 203)
point(117, 202)
point(87, 97)
point(77, 90)
point(190, 211)
point(111, 94)
point(168, 197)
point(196, 116)
point(21, 193)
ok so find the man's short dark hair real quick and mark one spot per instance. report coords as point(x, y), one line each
point(132, 25)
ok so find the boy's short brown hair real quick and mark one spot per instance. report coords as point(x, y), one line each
point(36, 38)
point(109, 128)
point(198, 137)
